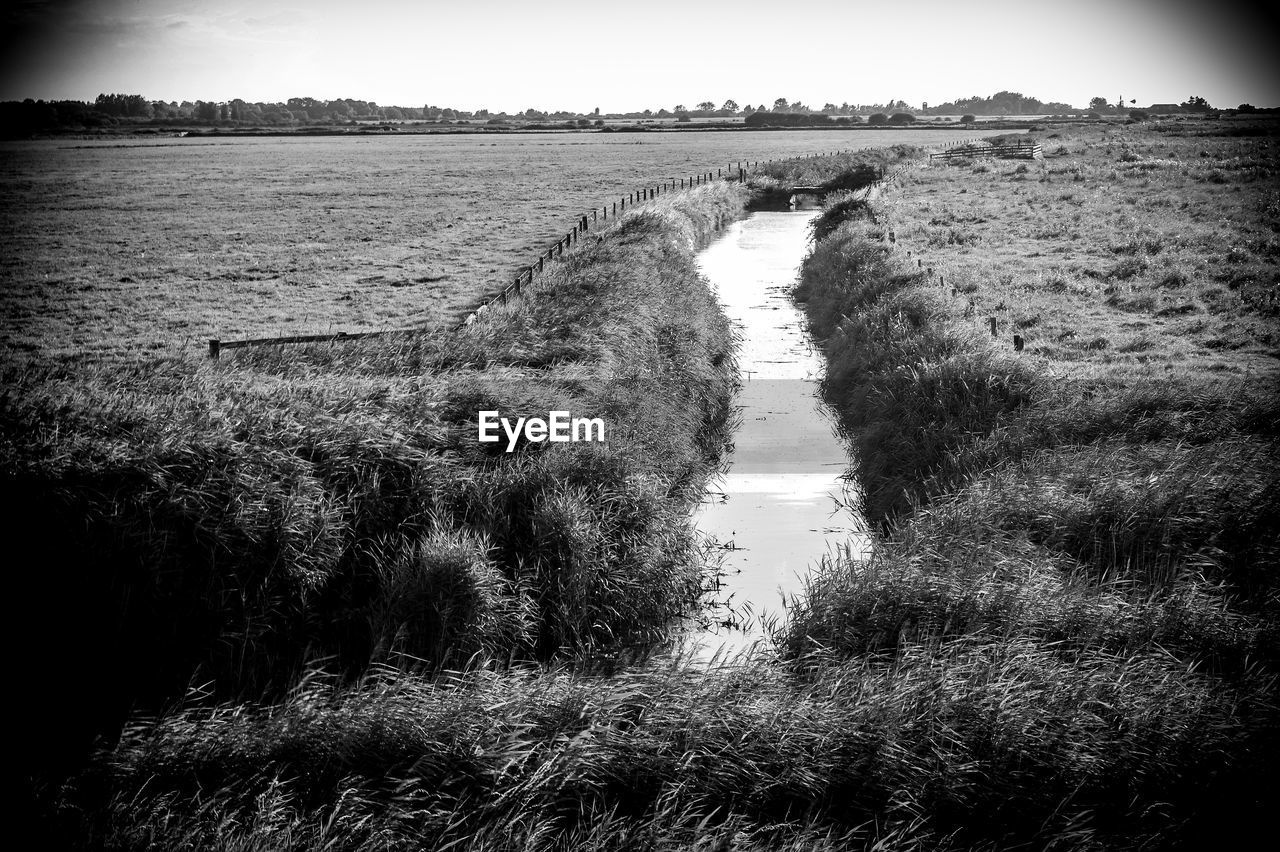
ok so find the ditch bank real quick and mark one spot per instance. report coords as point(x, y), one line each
point(1112, 535)
point(237, 523)
point(782, 501)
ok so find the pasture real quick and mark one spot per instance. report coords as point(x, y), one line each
point(1127, 249)
point(149, 248)
point(1101, 504)
point(1064, 638)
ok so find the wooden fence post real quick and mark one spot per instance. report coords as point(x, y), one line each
point(215, 347)
point(1017, 343)
point(991, 323)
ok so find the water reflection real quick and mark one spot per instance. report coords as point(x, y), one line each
point(784, 502)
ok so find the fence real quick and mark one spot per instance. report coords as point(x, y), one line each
point(1022, 152)
point(607, 213)
point(586, 223)
point(971, 308)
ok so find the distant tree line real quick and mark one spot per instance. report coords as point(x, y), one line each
point(110, 110)
point(1002, 103)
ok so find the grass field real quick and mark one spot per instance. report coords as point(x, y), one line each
point(1066, 637)
point(146, 248)
point(1124, 249)
point(1103, 503)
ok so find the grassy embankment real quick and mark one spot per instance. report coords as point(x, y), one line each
point(1081, 541)
point(978, 684)
point(232, 524)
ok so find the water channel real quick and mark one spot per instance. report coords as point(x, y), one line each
point(784, 501)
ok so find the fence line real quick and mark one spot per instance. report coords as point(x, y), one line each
point(971, 309)
point(585, 224)
point(1029, 152)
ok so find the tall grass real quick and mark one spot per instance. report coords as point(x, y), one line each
point(964, 744)
point(841, 173)
point(234, 523)
point(1062, 518)
point(1064, 638)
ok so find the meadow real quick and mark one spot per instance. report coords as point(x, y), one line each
point(1102, 503)
point(331, 623)
point(151, 247)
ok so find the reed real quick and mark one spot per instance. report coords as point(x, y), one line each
point(236, 523)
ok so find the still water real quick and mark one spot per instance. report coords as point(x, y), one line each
point(784, 502)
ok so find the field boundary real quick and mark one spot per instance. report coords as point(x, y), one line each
point(1017, 151)
point(607, 213)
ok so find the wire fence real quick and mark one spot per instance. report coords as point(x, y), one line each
point(596, 219)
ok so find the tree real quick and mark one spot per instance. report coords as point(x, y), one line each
point(707, 106)
point(878, 118)
point(780, 105)
point(305, 107)
point(276, 114)
point(1098, 104)
point(1196, 104)
point(730, 105)
point(132, 106)
point(679, 108)
point(241, 111)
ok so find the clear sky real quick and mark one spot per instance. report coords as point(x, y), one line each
point(578, 55)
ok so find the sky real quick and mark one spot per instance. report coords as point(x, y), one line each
point(511, 55)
